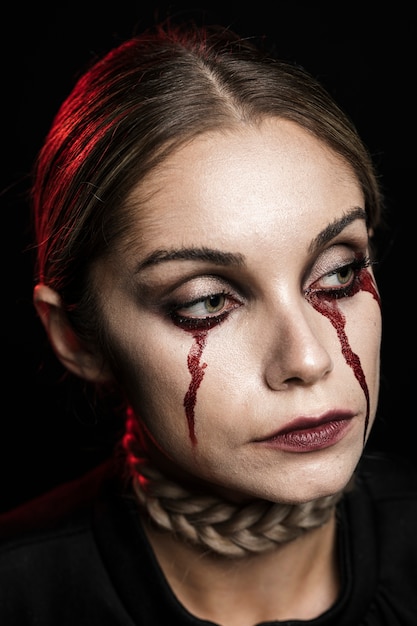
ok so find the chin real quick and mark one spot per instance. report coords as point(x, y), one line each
point(305, 487)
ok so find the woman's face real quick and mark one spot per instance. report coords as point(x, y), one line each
point(243, 314)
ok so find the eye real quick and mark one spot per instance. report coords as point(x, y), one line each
point(210, 305)
point(342, 281)
point(205, 312)
point(340, 277)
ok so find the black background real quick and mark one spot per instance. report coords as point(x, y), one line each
point(364, 54)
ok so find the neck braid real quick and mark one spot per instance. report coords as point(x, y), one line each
point(208, 521)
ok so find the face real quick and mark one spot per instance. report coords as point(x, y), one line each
point(243, 314)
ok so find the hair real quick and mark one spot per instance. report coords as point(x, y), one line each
point(129, 111)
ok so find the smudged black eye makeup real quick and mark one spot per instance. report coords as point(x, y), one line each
point(212, 309)
point(341, 282)
point(205, 312)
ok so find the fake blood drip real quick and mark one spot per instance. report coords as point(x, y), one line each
point(197, 372)
point(327, 306)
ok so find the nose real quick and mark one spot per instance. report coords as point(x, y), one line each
point(297, 353)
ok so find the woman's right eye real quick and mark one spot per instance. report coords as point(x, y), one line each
point(204, 313)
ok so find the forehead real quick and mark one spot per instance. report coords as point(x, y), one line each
point(226, 187)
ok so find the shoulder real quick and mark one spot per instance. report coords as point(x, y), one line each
point(58, 524)
point(58, 509)
point(50, 557)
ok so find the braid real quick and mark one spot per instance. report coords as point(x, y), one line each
point(208, 521)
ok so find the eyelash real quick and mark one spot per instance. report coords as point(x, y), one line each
point(204, 323)
point(230, 302)
point(357, 266)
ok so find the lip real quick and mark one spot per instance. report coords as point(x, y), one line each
point(307, 434)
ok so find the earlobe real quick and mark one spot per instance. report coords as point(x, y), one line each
point(69, 348)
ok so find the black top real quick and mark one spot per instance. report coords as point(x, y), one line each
point(78, 557)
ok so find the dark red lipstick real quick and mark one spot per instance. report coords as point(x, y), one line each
point(310, 434)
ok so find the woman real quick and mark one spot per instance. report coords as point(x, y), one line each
point(204, 220)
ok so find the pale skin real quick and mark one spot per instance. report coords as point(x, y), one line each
point(260, 195)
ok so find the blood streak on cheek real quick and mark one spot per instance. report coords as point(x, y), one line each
point(326, 305)
point(197, 373)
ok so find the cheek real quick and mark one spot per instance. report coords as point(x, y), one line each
point(171, 386)
point(364, 339)
point(155, 378)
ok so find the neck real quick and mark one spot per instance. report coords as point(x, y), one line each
point(295, 580)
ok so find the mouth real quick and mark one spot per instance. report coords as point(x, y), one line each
point(310, 434)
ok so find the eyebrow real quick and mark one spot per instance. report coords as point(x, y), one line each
point(192, 254)
point(226, 259)
point(334, 228)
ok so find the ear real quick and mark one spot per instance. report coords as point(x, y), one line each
point(68, 347)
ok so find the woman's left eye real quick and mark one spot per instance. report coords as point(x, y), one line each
point(341, 281)
point(341, 277)
point(205, 312)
